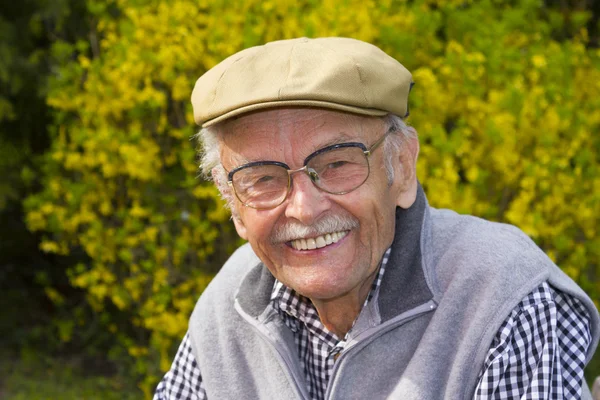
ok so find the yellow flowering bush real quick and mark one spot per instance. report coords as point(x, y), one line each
point(507, 113)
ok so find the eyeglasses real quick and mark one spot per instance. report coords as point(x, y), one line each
point(336, 169)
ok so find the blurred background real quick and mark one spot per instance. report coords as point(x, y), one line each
point(107, 236)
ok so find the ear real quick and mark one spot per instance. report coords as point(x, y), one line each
point(219, 179)
point(408, 178)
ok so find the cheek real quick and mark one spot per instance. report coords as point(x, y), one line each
point(259, 227)
point(377, 217)
point(259, 240)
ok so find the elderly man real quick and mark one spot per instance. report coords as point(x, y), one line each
point(351, 285)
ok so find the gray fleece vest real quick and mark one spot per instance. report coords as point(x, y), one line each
point(450, 282)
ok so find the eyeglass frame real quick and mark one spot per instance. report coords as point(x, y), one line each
point(367, 153)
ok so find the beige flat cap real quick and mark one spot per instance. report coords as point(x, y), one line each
point(335, 73)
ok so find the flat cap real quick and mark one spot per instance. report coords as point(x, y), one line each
point(335, 73)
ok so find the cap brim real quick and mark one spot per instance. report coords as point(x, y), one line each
point(295, 103)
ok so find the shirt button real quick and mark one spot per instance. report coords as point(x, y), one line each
point(336, 356)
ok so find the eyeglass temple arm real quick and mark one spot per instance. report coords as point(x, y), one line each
point(378, 142)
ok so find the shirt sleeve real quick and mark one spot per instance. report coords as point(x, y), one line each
point(539, 351)
point(183, 381)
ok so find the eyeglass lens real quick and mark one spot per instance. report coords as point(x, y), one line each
point(337, 171)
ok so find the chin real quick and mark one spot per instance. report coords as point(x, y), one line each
point(321, 287)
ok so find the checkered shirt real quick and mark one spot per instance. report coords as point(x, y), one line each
point(538, 352)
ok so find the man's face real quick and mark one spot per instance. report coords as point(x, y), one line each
point(362, 221)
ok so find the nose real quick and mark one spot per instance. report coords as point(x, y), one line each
point(306, 202)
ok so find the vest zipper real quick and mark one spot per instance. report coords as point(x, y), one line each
point(369, 335)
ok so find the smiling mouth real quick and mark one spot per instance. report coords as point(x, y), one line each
point(318, 242)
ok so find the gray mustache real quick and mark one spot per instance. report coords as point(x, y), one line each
point(295, 230)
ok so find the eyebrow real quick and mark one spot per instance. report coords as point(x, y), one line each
point(342, 137)
point(243, 161)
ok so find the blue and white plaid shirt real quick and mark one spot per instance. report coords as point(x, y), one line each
point(538, 352)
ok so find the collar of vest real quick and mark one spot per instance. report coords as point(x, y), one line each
point(406, 283)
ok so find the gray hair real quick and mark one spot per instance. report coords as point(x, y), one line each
point(210, 159)
point(393, 144)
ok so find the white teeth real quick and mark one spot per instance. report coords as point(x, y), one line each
point(318, 242)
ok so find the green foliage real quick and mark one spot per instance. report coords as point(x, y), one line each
point(27, 29)
point(506, 103)
point(50, 379)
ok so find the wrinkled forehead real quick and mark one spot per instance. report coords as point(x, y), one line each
point(294, 132)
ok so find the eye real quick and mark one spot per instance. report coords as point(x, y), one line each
point(264, 179)
point(337, 164)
